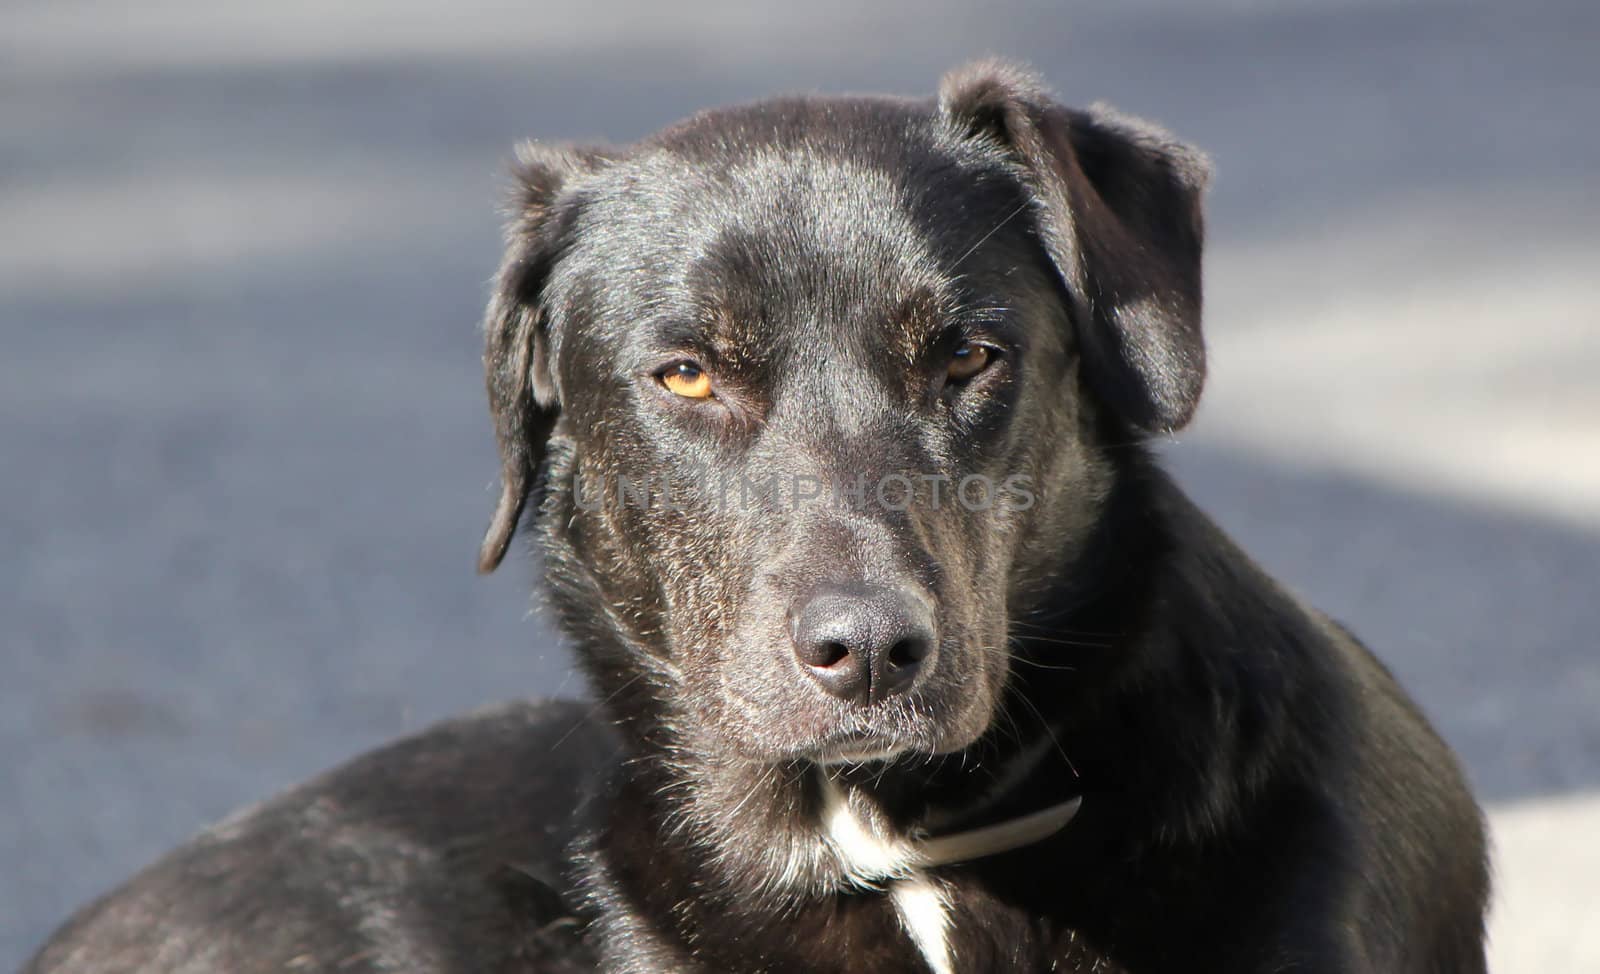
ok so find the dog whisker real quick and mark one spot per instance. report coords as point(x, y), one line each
point(997, 228)
point(1057, 630)
point(596, 710)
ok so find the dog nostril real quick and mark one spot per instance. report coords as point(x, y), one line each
point(908, 653)
point(825, 654)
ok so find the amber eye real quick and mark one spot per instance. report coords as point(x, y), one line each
point(688, 380)
point(969, 359)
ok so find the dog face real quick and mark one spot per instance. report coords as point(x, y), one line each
point(809, 380)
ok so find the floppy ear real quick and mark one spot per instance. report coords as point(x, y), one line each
point(1117, 208)
point(522, 390)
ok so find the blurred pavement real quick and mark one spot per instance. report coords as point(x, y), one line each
point(245, 460)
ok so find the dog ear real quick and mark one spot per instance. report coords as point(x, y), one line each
point(522, 391)
point(1118, 210)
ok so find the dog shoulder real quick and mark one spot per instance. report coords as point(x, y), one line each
point(1373, 777)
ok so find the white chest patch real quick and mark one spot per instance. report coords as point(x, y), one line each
point(922, 908)
point(867, 857)
point(872, 859)
point(872, 854)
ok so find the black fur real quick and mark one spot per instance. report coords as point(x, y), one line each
point(1258, 794)
point(441, 852)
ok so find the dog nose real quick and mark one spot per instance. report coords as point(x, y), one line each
point(863, 643)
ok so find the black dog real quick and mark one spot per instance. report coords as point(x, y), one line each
point(913, 659)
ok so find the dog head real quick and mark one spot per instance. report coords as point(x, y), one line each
point(820, 396)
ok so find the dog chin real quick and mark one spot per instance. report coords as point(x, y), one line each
point(858, 754)
point(832, 750)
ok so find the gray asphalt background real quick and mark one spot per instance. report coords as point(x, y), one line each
point(245, 460)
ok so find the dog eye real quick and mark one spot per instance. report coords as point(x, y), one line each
point(968, 360)
point(688, 380)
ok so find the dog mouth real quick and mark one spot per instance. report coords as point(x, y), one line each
point(827, 738)
point(859, 742)
point(907, 735)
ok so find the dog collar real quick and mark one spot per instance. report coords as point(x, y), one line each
point(992, 840)
point(869, 857)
